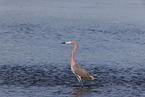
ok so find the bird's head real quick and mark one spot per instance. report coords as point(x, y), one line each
point(69, 42)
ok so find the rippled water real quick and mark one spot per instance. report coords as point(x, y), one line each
point(49, 80)
point(110, 37)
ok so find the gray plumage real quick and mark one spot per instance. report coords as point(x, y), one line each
point(78, 70)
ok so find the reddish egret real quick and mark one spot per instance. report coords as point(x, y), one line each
point(76, 69)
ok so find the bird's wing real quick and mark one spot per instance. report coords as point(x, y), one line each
point(78, 70)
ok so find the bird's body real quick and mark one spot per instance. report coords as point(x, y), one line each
point(76, 69)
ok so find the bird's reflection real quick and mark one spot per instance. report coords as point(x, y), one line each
point(81, 91)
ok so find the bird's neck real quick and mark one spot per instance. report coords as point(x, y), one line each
point(72, 54)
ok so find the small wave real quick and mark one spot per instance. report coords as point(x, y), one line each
point(43, 75)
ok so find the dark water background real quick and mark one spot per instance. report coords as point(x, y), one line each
point(111, 46)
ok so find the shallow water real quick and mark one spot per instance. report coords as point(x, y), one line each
point(110, 37)
point(50, 80)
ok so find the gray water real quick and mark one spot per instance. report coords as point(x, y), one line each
point(111, 46)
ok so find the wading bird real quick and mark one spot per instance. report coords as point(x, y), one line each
point(76, 69)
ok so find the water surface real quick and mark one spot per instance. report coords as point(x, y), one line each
point(110, 37)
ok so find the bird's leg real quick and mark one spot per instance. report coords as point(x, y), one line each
point(80, 81)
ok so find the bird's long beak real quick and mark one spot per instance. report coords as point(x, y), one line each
point(69, 42)
point(63, 43)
